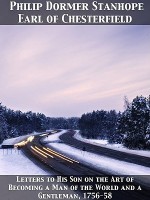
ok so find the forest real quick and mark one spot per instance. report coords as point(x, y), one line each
point(17, 123)
point(130, 127)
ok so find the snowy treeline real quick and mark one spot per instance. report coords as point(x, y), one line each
point(134, 123)
point(132, 127)
point(3, 125)
point(16, 123)
point(98, 124)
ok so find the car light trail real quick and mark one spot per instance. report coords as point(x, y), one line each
point(20, 144)
point(38, 152)
point(30, 139)
point(60, 155)
point(24, 142)
point(43, 152)
point(56, 154)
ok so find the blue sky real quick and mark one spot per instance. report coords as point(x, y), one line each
point(69, 70)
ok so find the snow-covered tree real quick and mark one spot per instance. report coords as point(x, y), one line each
point(134, 123)
point(98, 124)
point(3, 125)
point(115, 136)
point(16, 123)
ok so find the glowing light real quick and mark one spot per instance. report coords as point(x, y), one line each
point(56, 154)
point(38, 152)
point(60, 155)
point(24, 142)
point(20, 144)
point(43, 152)
point(30, 139)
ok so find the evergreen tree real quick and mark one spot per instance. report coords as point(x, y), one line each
point(3, 125)
point(134, 123)
point(115, 136)
point(16, 123)
point(98, 124)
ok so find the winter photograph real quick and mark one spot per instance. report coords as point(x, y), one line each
point(75, 100)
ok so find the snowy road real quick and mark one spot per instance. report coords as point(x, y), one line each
point(14, 162)
point(56, 155)
point(68, 139)
point(68, 160)
point(61, 163)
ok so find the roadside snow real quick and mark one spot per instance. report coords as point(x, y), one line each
point(14, 162)
point(118, 147)
point(17, 139)
point(54, 137)
point(101, 162)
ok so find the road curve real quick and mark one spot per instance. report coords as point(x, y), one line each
point(50, 157)
point(67, 166)
point(68, 138)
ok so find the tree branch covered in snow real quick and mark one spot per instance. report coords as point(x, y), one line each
point(132, 127)
point(16, 123)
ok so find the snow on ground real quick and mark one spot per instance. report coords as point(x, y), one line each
point(17, 139)
point(14, 162)
point(105, 164)
point(54, 137)
point(118, 147)
point(101, 162)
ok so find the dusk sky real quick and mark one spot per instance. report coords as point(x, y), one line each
point(70, 70)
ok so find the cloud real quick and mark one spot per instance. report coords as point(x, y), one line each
point(68, 70)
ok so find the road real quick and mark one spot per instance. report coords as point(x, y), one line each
point(68, 138)
point(62, 164)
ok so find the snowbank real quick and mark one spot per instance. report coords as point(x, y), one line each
point(103, 163)
point(110, 165)
point(118, 147)
point(54, 137)
point(17, 139)
point(14, 162)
